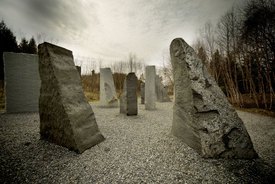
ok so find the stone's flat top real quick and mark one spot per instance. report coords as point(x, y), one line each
point(137, 149)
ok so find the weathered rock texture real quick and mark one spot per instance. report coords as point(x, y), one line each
point(150, 88)
point(161, 91)
point(66, 117)
point(22, 82)
point(108, 97)
point(128, 100)
point(142, 92)
point(202, 116)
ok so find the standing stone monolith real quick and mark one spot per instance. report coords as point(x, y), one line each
point(122, 99)
point(202, 116)
point(161, 91)
point(108, 97)
point(22, 82)
point(142, 92)
point(128, 100)
point(78, 69)
point(66, 117)
point(150, 88)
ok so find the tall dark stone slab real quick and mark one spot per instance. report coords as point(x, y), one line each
point(128, 100)
point(66, 117)
point(142, 92)
point(202, 116)
point(78, 69)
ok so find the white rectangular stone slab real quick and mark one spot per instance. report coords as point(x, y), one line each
point(22, 82)
point(150, 87)
point(108, 97)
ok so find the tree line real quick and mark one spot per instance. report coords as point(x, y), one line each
point(239, 52)
point(8, 43)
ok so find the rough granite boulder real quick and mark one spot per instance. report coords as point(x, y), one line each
point(108, 97)
point(202, 116)
point(66, 117)
point(128, 100)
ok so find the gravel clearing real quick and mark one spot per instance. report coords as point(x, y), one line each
point(137, 149)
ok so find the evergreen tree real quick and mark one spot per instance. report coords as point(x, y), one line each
point(24, 46)
point(7, 44)
point(32, 46)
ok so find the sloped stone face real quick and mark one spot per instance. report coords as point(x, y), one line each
point(108, 97)
point(66, 117)
point(22, 82)
point(128, 100)
point(150, 88)
point(202, 116)
point(161, 91)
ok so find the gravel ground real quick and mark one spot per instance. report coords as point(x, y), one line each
point(137, 149)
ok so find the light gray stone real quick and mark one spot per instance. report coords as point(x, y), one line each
point(66, 117)
point(150, 88)
point(128, 100)
point(161, 91)
point(22, 82)
point(108, 97)
point(202, 116)
point(142, 92)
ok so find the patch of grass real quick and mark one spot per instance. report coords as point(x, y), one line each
point(91, 96)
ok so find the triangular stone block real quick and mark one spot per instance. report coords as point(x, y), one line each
point(66, 117)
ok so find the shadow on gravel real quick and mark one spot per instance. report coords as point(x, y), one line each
point(254, 171)
point(35, 161)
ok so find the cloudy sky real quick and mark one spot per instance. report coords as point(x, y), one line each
point(110, 29)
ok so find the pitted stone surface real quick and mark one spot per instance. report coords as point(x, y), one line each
point(150, 88)
point(161, 91)
point(202, 116)
point(22, 82)
point(108, 97)
point(66, 117)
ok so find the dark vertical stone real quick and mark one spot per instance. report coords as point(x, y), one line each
point(128, 100)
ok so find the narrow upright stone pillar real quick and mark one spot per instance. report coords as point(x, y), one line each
point(129, 98)
point(22, 82)
point(150, 88)
point(142, 92)
point(202, 116)
point(108, 97)
point(78, 69)
point(66, 117)
point(122, 99)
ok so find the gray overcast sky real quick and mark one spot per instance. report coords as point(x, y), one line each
point(111, 29)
